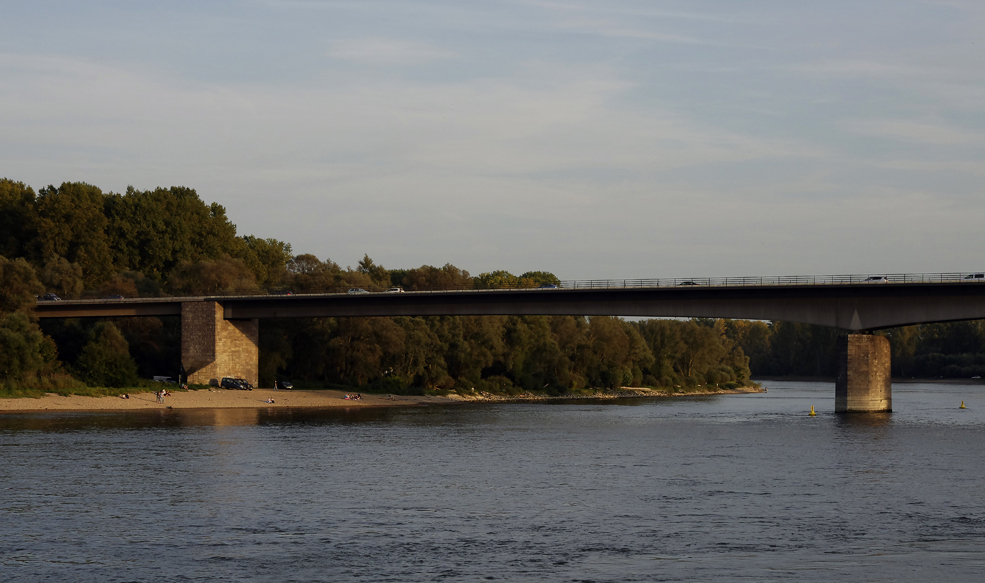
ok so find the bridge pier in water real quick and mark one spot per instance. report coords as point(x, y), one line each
point(864, 382)
point(212, 347)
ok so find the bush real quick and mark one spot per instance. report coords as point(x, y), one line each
point(105, 361)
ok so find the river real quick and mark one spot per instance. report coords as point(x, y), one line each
point(722, 488)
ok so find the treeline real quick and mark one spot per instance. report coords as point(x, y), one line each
point(76, 241)
point(500, 354)
point(941, 350)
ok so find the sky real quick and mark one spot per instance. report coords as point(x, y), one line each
point(593, 139)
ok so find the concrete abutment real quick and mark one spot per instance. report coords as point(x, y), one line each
point(864, 382)
point(212, 347)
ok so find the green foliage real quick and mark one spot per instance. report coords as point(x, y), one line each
point(72, 224)
point(267, 259)
point(307, 274)
point(25, 353)
point(18, 227)
point(19, 285)
point(377, 274)
point(105, 361)
point(62, 278)
point(210, 277)
point(154, 232)
point(539, 278)
point(428, 278)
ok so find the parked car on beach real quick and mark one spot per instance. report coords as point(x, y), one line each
point(235, 383)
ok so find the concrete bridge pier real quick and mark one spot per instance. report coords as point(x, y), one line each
point(864, 382)
point(212, 347)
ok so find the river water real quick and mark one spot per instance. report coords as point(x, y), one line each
point(724, 488)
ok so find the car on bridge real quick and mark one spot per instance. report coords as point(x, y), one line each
point(976, 276)
point(395, 290)
point(49, 298)
point(356, 290)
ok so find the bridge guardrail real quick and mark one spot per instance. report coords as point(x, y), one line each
point(682, 282)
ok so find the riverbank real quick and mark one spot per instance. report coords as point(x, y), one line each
point(895, 380)
point(322, 399)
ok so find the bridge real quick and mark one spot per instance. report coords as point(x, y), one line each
point(220, 333)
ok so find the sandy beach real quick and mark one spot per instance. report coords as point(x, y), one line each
point(261, 399)
point(215, 399)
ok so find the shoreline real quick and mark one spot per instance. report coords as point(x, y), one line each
point(894, 380)
point(215, 398)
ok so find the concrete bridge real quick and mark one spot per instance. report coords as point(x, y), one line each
point(220, 333)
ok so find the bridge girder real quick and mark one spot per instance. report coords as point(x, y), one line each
point(850, 306)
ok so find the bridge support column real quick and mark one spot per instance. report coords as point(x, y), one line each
point(212, 348)
point(864, 382)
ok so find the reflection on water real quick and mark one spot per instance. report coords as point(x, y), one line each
point(872, 419)
point(691, 489)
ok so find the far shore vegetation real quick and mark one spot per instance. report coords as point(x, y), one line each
point(75, 241)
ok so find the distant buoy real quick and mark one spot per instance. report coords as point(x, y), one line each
point(812, 413)
point(962, 406)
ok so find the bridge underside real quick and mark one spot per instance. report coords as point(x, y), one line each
point(220, 334)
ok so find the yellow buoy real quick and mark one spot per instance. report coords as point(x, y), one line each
point(962, 406)
point(812, 413)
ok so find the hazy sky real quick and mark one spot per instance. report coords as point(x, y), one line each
point(594, 139)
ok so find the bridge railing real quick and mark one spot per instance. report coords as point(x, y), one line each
point(678, 282)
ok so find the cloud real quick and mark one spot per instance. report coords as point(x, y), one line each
point(938, 134)
point(387, 51)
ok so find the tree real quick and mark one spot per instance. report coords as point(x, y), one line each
point(207, 277)
point(307, 274)
point(17, 218)
point(72, 224)
point(267, 259)
point(618, 353)
point(19, 285)
point(363, 349)
point(25, 352)
point(63, 278)
point(539, 278)
point(105, 361)
point(428, 277)
point(156, 231)
point(497, 280)
point(378, 275)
